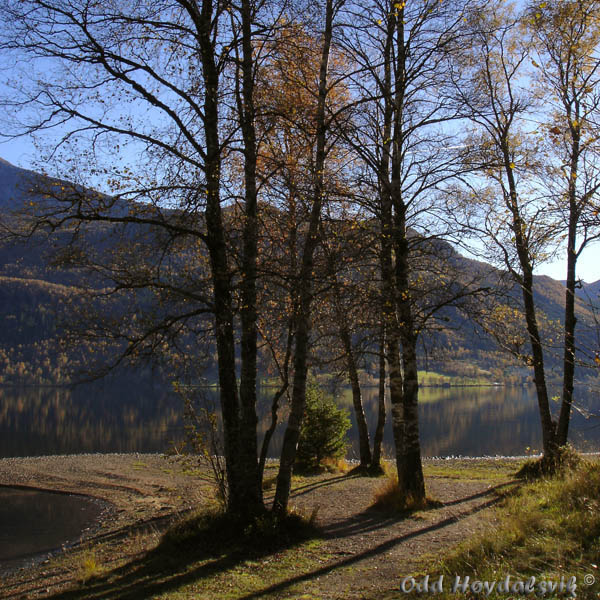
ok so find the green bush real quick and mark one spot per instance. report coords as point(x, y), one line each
point(323, 433)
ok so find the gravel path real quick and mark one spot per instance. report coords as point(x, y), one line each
point(364, 549)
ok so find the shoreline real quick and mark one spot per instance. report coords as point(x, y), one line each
point(147, 492)
point(140, 455)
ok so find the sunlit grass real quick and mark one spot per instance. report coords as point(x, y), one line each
point(90, 567)
point(480, 469)
point(548, 529)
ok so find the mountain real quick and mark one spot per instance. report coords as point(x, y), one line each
point(42, 288)
point(590, 292)
point(37, 297)
point(13, 181)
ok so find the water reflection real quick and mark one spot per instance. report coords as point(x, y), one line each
point(90, 418)
point(135, 418)
point(483, 421)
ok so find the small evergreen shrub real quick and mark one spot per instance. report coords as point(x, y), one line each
point(323, 433)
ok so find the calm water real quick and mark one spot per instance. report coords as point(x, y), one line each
point(99, 418)
point(133, 418)
point(38, 522)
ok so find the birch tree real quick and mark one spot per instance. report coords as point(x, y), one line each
point(172, 82)
point(566, 38)
point(490, 83)
point(400, 52)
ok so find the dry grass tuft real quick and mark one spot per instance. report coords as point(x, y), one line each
point(567, 459)
point(388, 497)
point(90, 568)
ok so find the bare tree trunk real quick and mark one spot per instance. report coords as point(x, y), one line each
point(345, 335)
point(375, 467)
point(405, 401)
point(408, 463)
point(361, 421)
point(562, 434)
point(392, 326)
point(548, 428)
point(408, 452)
point(249, 420)
point(389, 326)
point(303, 324)
point(271, 430)
point(244, 489)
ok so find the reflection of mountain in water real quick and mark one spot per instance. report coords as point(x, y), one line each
point(477, 421)
point(481, 423)
point(131, 418)
point(92, 418)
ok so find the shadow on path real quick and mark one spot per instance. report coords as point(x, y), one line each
point(373, 519)
point(159, 571)
point(371, 552)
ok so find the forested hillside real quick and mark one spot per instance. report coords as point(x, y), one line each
point(42, 295)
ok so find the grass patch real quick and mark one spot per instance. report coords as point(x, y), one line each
point(218, 533)
point(473, 470)
point(207, 555)
point(548, 529)
point(90, 568)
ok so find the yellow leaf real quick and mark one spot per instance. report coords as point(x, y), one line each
point(512, 165)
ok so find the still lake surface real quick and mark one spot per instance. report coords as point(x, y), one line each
point(469, 421)
point(37, 522)
point(466, 421)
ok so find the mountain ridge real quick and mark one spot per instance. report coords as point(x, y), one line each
point(32, 289)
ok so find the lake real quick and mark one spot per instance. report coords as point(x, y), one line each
point(467, 421)
point(36, 522)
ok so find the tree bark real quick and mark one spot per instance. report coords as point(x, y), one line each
point(345, 335)
point(562, 433)
point(303, 324)
point(526, 281)
point(248, 312)
point(244, 489)
point(390, 342)
point(404, 404)
point(361, 421)
point(375, 467)
point(408, 455)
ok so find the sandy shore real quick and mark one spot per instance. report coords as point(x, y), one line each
point(133, 489)
point(145, 492)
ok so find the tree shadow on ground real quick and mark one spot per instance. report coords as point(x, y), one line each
point(190, 553)
point(167, 568)
point(364, 523)
point(301, 490)
point(373, 519)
